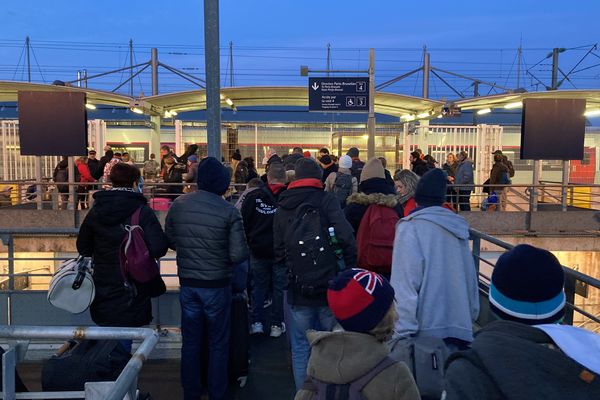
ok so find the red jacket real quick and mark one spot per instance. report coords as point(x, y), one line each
point(84, 173)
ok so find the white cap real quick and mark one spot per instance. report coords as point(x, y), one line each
point(345, 162)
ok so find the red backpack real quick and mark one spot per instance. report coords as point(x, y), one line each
point(136, 262)
point(375, 238)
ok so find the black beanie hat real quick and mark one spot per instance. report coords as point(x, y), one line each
point(237, 155)
point(326, 160)
point(352, 152)
point(527, 286)
point(431, 188)
point(308, 168)
point(213, 176)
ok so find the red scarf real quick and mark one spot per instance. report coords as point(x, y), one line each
point(276, 187)
point(307, 182)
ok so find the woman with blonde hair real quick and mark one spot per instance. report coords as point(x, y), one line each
point(356, 357)
point(405, 182)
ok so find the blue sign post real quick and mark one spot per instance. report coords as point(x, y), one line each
point(338, 94)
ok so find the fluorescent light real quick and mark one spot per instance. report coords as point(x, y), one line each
point(484, 111)
point(137, 110)
point(228, 101)
point(516, 104)
point(90, 106)
point(440, 116)
point(423, 115)
point(366, 137)
point(167, 114)
point(408, 117)
point(173, 113)
point(592, 113)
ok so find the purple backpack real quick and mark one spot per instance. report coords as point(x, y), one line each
point(136, 262)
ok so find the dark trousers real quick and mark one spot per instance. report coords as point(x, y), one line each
point(205, 311)
point(452, 198)
point(464, 200)
point(265, 272)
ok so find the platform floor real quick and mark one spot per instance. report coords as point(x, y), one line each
point(270, 376)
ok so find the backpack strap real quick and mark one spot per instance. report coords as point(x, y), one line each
point(360, 383)
point(135, 217)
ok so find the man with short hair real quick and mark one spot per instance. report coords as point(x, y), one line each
point(357, 164)
point(418, 166)
point(258, 213)
point(289, 161)
point(127, 159)
point(208, 235)
point(94, 165)
point(306, 225)
point(464, 181)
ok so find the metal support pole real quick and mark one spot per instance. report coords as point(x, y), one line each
point(39, 189)
point(231, 64)
point(536, 181)
point(72, 204)
point(10, 245)
point(328, 58)
point(554, 69)
point(131, 67)
point(212, 65)
point(256, 144)
point(475, 94)
point(27, 45)
point(565, 182)
point(154, 68)
point(78, 78)
point(85, 78)
point(426, 69)
point(371, 120)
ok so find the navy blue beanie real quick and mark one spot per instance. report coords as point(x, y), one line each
point(213, 176)
point(359, 299)
point(431, 188)
point(306, 168)
point(527, 286)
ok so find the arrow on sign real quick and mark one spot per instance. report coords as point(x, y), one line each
point(315, 86)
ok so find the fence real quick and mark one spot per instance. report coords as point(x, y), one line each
point(125, 385)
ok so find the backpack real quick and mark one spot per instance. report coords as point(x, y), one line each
point(511, 168)
point(426, 358)
point(375, 238)
point(342, 187)
point(349, 391)
point(136, 262)
point(311, 257)
point(504, 178)
point(150, 167)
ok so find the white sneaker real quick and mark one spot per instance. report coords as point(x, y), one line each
point(256, 327)
point(277, 330)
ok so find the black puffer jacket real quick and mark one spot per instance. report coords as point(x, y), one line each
point(209, 237)
point(371, 191)
point(289, 201)
point(419, 167)
point(100, 237)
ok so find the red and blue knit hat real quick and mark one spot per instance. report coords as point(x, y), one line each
point(528, 286)
point(359, 299)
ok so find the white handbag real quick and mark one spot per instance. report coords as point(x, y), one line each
point(72, 286)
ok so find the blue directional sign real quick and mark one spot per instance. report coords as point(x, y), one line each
point(338, 94)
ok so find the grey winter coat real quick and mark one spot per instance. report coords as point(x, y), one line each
point(209, 237)
point(464, 175)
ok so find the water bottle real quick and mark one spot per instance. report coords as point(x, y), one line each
point(336, 248)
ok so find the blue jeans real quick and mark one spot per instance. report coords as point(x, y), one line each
point(200, 308)
point(265, 272)
point(303, 319)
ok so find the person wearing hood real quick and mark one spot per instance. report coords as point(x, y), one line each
point(405, 182)
point(527, 353)
point(328, 166)
point(258, 212)
point(100, 237)
point(341, 183)
point(500, 175)
point(464, 180)
point(208, 234)
point(373, 189)
point(433, 272)
point(309, 310)
point(61, 174)
point(357, 164)
point(363, 305)
point(419, 166)
point(236, 157)
point(252, 172)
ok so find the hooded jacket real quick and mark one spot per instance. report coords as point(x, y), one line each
point(372, 191)
point(208, 234)
point(434, 276)
point(258, 212)
point(464, 175)
point(342, 357)
point(298, 193)
point(419, 167)
point(496, 173)
point(513, 361)
point(100, 237)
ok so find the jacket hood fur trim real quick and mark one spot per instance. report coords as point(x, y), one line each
point(386, 200)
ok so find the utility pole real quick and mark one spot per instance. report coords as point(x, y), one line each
point(79, 78)
point(426, 69)
point(130, 67)
point(475, 94)
point(519, 61)
point(328, 58)
point(371, 119)
point(85, 78)
point(554, 85)
point(213, 89)
point(154, 70)
point(27, 46)
point(231, 64)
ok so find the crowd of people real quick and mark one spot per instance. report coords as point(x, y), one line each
point(363, 263)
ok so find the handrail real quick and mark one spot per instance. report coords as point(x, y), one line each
point(127, 380)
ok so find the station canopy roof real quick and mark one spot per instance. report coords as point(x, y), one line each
point(592, 98)
point(385, 103)
point(9, 92)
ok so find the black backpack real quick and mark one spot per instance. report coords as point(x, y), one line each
point(342, 187)
point(310, 256)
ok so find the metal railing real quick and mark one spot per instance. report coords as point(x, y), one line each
point(126, 383)
point(576, 283)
